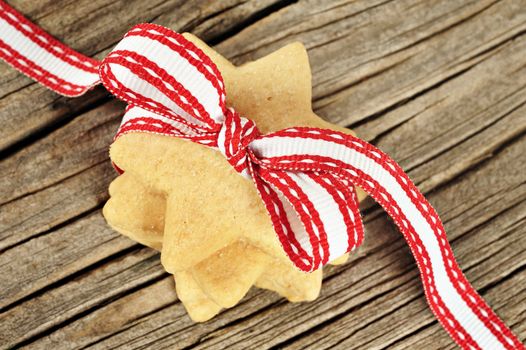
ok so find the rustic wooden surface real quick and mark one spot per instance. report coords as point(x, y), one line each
point(439, 85)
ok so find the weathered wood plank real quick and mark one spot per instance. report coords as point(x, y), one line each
point(71, 149)
point(156, 299)
point(56, 205)
point(473, 114)
point(42, 261)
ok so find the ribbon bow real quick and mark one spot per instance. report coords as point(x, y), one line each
point(305, 176)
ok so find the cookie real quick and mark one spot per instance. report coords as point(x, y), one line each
point(187, 201)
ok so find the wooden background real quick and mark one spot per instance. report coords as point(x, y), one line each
point(439, 85)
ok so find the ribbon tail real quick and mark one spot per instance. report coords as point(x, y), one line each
point(456, 304)
point(35, 53)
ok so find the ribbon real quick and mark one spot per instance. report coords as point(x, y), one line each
point(304, 175)
point(38, 55)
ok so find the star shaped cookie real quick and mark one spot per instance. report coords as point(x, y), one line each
point(186, 200)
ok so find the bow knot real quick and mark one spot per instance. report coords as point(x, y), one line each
point(233, 139)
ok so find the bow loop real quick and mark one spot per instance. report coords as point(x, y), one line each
point(159, 70)
point(315, 215)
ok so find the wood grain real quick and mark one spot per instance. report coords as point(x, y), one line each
point(439, 85)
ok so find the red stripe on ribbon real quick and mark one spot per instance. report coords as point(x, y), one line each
point(46, 41)
point(158, 78)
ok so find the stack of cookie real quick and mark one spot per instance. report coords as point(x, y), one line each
point(187, 201)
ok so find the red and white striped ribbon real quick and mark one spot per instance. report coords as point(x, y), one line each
point(305, 176)
point(38, 55)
